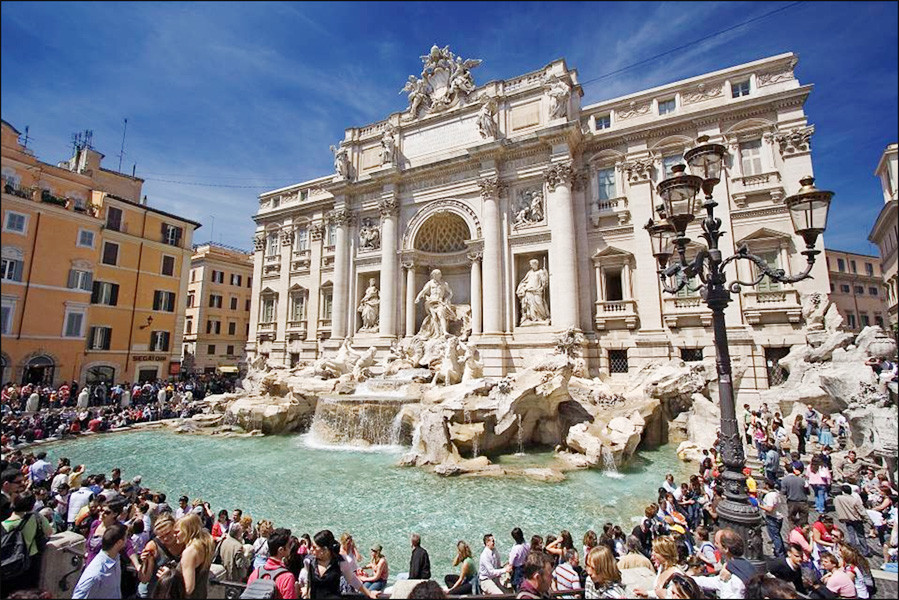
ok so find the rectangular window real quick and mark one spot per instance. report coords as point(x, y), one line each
point(872, 291)
point(210, 349)
point(218, 276)
point(110, 253)
point(614, 290)
point(852, 266)
point(878, 320)
point(74, 324)
point(164, 301)
point(667, 106)
point(106, 293)
point(740, 89)
point(229, 350)
point(11, 269)
point(865, 320)
point(302, 239)
point(168, 265)
point(271, 245)
point(327, 302)
point(233, 302)
point(844, 288)
point(603, 122)
point(670, 161)
point(246, 305)
point(332, 234)
point(232, 328)
point(249, 281)
point(113, 218)
point(159, 341)
point(841, 265)
point(268, 310)
point(193, 275)
point(859, 290)
point(99, 338)
point(188, 326)
point(215, 301)
point(14, 222)
point(852, 320)
point(298, 307)
point(190, 299)
point(869, 269)
point(691, 354)
point(80, 280)
point(833, 288)
point(236, 279)
point(171, 235)
point(6, 315)
point(208, 326)
point(605, 179)
point(751, 157)
point(773, 261)
point(85, 238)
point(618, 361)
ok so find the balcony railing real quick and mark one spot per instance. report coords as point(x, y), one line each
point(774, 305)
point(613, 314)
point(681, 310)
point(611, 207)
point(759, 183)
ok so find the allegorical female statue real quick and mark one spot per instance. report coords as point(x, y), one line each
point(532, 295)
point(438, 309)
point(369, 307)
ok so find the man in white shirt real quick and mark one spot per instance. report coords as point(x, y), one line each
point(40, 470)
point(78, 500)
point(490, 569)
point(772, 505)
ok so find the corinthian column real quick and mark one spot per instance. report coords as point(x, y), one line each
point(475, 258)
point(410, 298)
point(563, 248)
point(341, 218)
point(491, 188)
point(389, 208)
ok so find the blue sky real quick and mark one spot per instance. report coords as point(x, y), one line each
point(226, 100)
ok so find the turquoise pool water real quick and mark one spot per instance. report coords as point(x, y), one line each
point(308, 488)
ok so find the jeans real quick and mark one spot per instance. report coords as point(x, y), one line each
point(855, 536)
point(809, 428)
point(774, 526)
point(820, 497)
point(375, 586)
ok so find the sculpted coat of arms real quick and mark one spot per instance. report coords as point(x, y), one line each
point(445, 82)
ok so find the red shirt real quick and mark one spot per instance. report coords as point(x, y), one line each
point(286, 582)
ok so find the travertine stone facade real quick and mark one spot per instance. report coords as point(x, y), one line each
point(482, 181)
point(217, 318)
point(856, 287)
point(885, 233)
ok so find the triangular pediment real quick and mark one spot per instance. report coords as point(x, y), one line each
point(764, 234)
point(612, 251)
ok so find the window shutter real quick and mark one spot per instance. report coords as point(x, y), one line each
point(95, 292)
point(90, 338)
point(107, 338)
point(17, 270)
point(88, 282)
point(72, 276)
point(172, 302)
point(177, 236)
point(165, 340)
point(114, 295)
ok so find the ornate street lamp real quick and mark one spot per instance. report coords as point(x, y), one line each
point(808, 211)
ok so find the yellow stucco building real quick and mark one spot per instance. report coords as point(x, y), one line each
point(94, 280)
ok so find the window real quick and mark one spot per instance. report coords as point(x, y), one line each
point(268, 309)
point(113, 218)
point(85, 238)
point(605, 179)
point(878, 320)
point(80, 280)
point(188, 326)
point(191, 298)
point(691, 354)
point(614, 290)
point(229, 350)
point(271, 245)
point(603, 122)
point(844, 288)
point(233, 302)
point(110, 253)
point(7, 310)
point(218, 276)
point(618, 361)
point(171, 235)
point(327, 304)
point(751, 157)
point(99, 338)
point(670, 161)
point(872, 291)
point(249, 281)
point(772, 259)
point(215, 301)
point(246, 305)
point(163, 300)
point(301, 241)
point(159, 341)
point(74, 323)
point(852, 266)
point(869, 269)
point(236, 279)
point(232, 328)
point(332, 234)
point(168, 265)
point(193, 275)
point(15, 222)
point(667, 106)
point(106, 293)
point(210, 349)
point(865, 320)
point(213, 327)
point(740, 89)
point(860, 290)
point(841, 265)
point(852, 320)
point(832, 288)
point(11, 269)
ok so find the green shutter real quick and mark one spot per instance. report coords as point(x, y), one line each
point(95, 292)
point(114, 296)
point(72, 277)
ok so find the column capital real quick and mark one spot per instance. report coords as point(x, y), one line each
point(258, 242)
point(559, 174)
point(316, 231)
point(389, 207)
point(491, 187)
point(408, 265)
point(342, 217)
point(475, 255)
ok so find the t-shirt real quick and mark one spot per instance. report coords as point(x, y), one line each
point(794, 488)
point(751, 485)
point(565, 578)
point(29, 530)
point(841, 584)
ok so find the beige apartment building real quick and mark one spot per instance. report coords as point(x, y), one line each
point(217, 320)
point(856, 287)
point(885, 233)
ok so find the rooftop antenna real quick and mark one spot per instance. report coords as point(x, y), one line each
point(26, 139)
point(122, 151)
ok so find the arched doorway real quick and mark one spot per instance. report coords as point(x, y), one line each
point(39, 370)
point(4, 365)
point(100, 374)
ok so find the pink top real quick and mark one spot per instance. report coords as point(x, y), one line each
point(822, 477)
point(797, 537)
point(841, 583)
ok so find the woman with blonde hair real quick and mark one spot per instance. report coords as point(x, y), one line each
point(461, 584)
point(665, 558)
point(857, 567)
point(603, 576)
point(197, 555)
point(377, 581)
point(163, 550)
point(260, 544)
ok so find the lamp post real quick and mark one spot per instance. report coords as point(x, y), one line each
point(808, 212)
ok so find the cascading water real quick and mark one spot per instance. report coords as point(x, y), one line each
point(466, 416)
point(357, 421)
point(610, 469)
point(520, 438)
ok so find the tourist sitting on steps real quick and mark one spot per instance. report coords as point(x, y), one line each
point(462, 583)
point(490, 568)
point(538, 569)
point(377, 581)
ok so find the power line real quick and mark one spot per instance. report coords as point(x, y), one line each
point(217, 185)
point(688, 44)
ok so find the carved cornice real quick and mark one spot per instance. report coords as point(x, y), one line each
point(286, 236)
point(795, 141)
point(633, 110)
point(703, 92)
point(754, 213)
point(638, 171)
point(559, 174)
point(491, 188)
point(389, 207)
point(774, 76)
point(534, 237)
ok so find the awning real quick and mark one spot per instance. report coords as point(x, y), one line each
point(227, 369)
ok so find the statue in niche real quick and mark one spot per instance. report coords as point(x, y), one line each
point(531, 293)
point(369, 235)
point(369, 307)
point(559, 93)
point(529, 207)
point(341, 161)
point(486, 124)
point(388, 147)
point(437, 296)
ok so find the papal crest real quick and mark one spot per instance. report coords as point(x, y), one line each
point(445, 82)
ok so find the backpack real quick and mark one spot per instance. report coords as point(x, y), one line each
point(264, 589)
point(14, 556)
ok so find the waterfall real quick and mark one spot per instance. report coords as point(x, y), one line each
point(608, 464)
point(520, 438)
point(466, 416)
point(357, 421)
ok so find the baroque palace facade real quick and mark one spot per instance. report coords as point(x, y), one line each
point(533, 207)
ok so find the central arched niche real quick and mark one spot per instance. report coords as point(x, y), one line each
point(440, 243)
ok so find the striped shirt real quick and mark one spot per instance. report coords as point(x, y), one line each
point(565, 578)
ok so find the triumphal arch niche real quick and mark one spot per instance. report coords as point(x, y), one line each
point(506, 213)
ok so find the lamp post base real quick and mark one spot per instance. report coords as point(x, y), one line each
point(747, 521)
